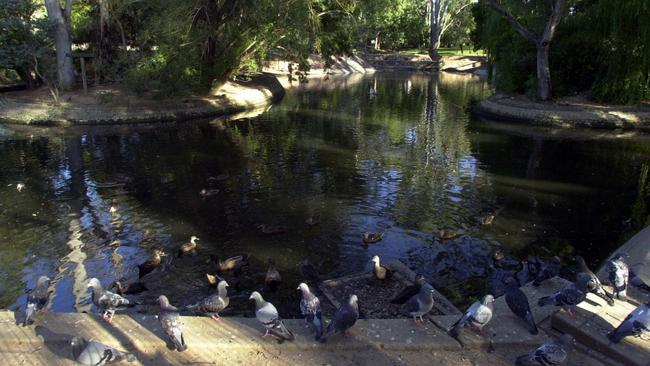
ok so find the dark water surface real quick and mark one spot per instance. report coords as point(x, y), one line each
point(399, 154)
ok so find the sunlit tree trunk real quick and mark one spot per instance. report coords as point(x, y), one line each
point(542, 42)
point(60, 18)
point(440, 16)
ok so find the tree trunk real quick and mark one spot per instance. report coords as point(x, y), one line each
point(543, 72)
point(542, 42)
point(63, 42)
point(104, 44)
point(378, 41)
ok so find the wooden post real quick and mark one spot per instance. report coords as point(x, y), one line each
point(83, 74)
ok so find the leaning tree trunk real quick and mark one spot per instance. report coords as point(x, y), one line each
point(63, 41)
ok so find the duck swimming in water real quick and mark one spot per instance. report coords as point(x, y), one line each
point(189, 247)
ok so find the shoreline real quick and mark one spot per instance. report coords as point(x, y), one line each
point(563, 113)
point(233, 97)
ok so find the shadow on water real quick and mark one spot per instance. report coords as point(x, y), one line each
point(394, 153)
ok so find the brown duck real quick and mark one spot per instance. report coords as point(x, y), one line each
point(129, 288)
point(234, 263)
point(154, 262)
point(189, 247)
point(381, 272)
point(446, 234)
point(370, 238)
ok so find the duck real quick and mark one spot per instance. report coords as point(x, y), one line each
point(446, 234)
point(213, 280)
point(381, 272)
point(152, 263)
point(370, 238)
point(272, 229)
point(130, 288)
point(189, 247)
point(234, 263)
point(313, 220)
point(488, 219)
point(309, 272)
point(273, 277)
point(205, 193)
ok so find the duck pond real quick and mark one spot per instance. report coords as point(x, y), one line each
point(463, 201)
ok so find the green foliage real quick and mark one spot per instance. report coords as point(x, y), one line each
point(601, 48)
point(23, 36)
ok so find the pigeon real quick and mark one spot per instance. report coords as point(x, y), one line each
point(409, 291)
point(637, 282)
point(309, 272)
point(421, 303)
point(477, 316)
point(273, 278)
point(344, 318)
point(518, 304)
point(107, 301)
point(92, 353)
point(618, 274)
point(569, 296)
point(311, 310)
point(268, 315)
point(170, 322)
point(594, 285)
point(550, 269)
point(151, 264)
point(189, 247)
point(37, 298)
point(381, 272)
point(637, 323)
point(214, 303)
point(551, 353)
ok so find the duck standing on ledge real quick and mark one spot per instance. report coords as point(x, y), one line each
point(189, 247)
point(382, 273)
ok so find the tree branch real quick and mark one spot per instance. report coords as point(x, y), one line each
point(553, 21)
point(512, 20)
point(454, 15)
point(67, 11)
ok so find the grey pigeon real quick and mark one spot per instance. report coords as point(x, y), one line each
point(214, 303)
point(618, 274)
point(170, 321)
point(311, 310)
point(550, 269)
point(345, 317)
point(594, 285)
point(637, 282)
point(555, 352)
point(637, 323)
point(518, 303)
point(37, 298)
point(569, 296)
point(420, 304)
point(477, 316)
point(108, 302)
point(408, 292)
point(91, 353)
point(268, 315)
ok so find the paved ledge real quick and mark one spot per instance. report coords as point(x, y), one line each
point(97, 107)
point(563, 114)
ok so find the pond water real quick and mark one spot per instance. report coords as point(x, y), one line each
point(398, 154)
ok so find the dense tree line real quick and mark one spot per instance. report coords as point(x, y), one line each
point(542, 47)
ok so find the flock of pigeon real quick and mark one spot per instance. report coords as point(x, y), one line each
point(416, 301)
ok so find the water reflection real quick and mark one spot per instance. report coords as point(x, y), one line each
point(393, 153)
